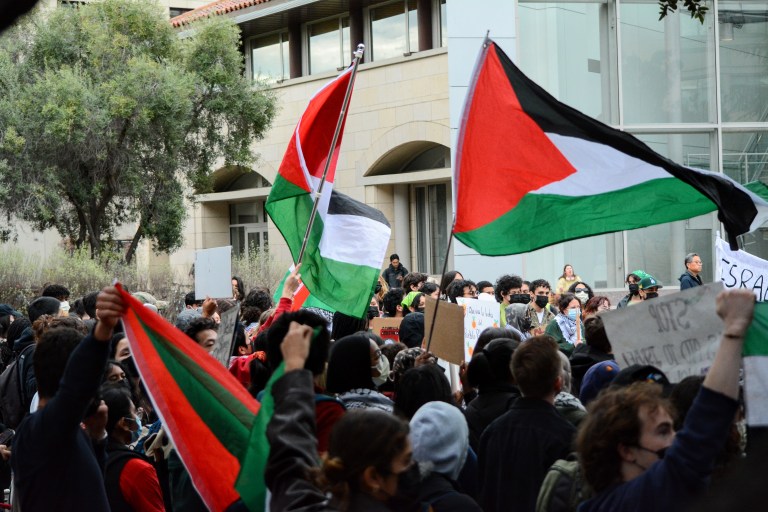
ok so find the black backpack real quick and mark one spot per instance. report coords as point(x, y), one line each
point(14, 402)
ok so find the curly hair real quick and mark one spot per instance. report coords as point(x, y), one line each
point(614, 420)
point(46, 322)
point(506, 283)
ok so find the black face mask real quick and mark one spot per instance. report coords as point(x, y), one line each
point(519, 298)
point(373, 312)
point(419, 310)
point(542, 301)
point(651, 295)
point(408, 488)
point(634, 288)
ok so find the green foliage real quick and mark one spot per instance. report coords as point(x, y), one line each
point(107, 118)
point(259, 268)
point(694, 7)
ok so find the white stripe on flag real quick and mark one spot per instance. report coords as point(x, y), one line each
point(600, 169)
point(756, 390)
point(354, 239)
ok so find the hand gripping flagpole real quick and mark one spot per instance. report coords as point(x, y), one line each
point(318, 194)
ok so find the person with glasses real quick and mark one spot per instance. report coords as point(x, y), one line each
point(631, 455)
point(691, 277)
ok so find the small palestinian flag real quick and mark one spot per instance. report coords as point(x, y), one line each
point(532, 172)
point(302, 298)
point(349, 239)
point(210, 417)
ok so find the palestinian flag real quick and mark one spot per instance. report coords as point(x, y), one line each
point(302, 298)
point(756, 368)
point(532, 172)
point(210, 417)
point(348, 239)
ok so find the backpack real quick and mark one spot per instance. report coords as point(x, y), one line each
point(564, 487)
point(14, 402)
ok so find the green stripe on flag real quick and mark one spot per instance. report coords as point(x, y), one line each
point(311, 302)
point(540, 220)
point(226, 416)
point(256, 458)
point(756, 341)
point(343, 286)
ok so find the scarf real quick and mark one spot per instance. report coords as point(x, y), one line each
point(567, 327)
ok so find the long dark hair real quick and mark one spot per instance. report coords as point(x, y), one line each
point(349, 364)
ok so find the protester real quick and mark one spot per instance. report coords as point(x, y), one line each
point(51, 451)
point(566, 279)
point(633, 297)
point(352, 365)
point(649, 287)
point(395, 273)
point(691, 277)
point(595, 305)
point(538, 309)
point(568, 405)
point(369, 456)
point(582, 291)
point(630, 452)
point(596, 348)
point(566, 328)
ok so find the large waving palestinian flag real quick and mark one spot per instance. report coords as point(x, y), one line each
point(210, 417)
point(531, 172)
point(349, 239)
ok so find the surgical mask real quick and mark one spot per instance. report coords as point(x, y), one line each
point(634, 288)
point(573, 314)
point(519, 298)
point(542, 301)
point(136, 433)
point(582, 296)
point(64, 306)
point(383, 368)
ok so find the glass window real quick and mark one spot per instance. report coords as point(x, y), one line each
point(566, 51)
point(269, 57)
point(744, 60)
point(244, 213)
point(661, 249)
point(443, 23)
point(431, 226)
point(248, 227)
point(667, 66)
point(329, 47)
point(745, 159)
point(394, 34)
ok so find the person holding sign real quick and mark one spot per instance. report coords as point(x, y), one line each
point(566, 328)
point(630, 453)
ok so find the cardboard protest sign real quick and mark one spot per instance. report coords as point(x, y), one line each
point(739, 269)
point(226, 335)
point(478, 316)
point(387, 328)
point(448, 337)
point(213, 273)
point(678, 333)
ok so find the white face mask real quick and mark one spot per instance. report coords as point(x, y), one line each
point(64, 306)
point(582, 296)
point(383, 368)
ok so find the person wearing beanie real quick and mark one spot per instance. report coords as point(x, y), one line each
point(440, 439)
point(597, 378)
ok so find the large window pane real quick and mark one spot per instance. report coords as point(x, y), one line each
point(443, 23)
point(661, 249)
point(325, 45)
point(667, 66)
point(269, 57)
point(744, 60)
point(566, 52)
point(390, 37)
point(745, 159)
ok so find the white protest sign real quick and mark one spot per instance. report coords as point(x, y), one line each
point(478, 316)
point(739, 269)
point(678, 333)
point(213, 273)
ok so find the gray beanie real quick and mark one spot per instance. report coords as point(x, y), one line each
point(440, 435)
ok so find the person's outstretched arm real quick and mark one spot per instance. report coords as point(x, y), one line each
point(735, 308)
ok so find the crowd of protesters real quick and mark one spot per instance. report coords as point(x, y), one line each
point(543, 418)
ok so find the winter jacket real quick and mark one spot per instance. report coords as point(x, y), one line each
point(582, 359)
point(391, 273)
point(673, 483)
point(688, 280)
point(488, 406)
point(443, 495)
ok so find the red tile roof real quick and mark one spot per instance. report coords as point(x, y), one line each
point(213, 9)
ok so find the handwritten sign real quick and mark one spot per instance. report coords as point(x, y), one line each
point(478, 316)
point(387, 328)
point(739, 269)
point(213, 273)
point(225, 339)
point(448, 337)
point(678, 333)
